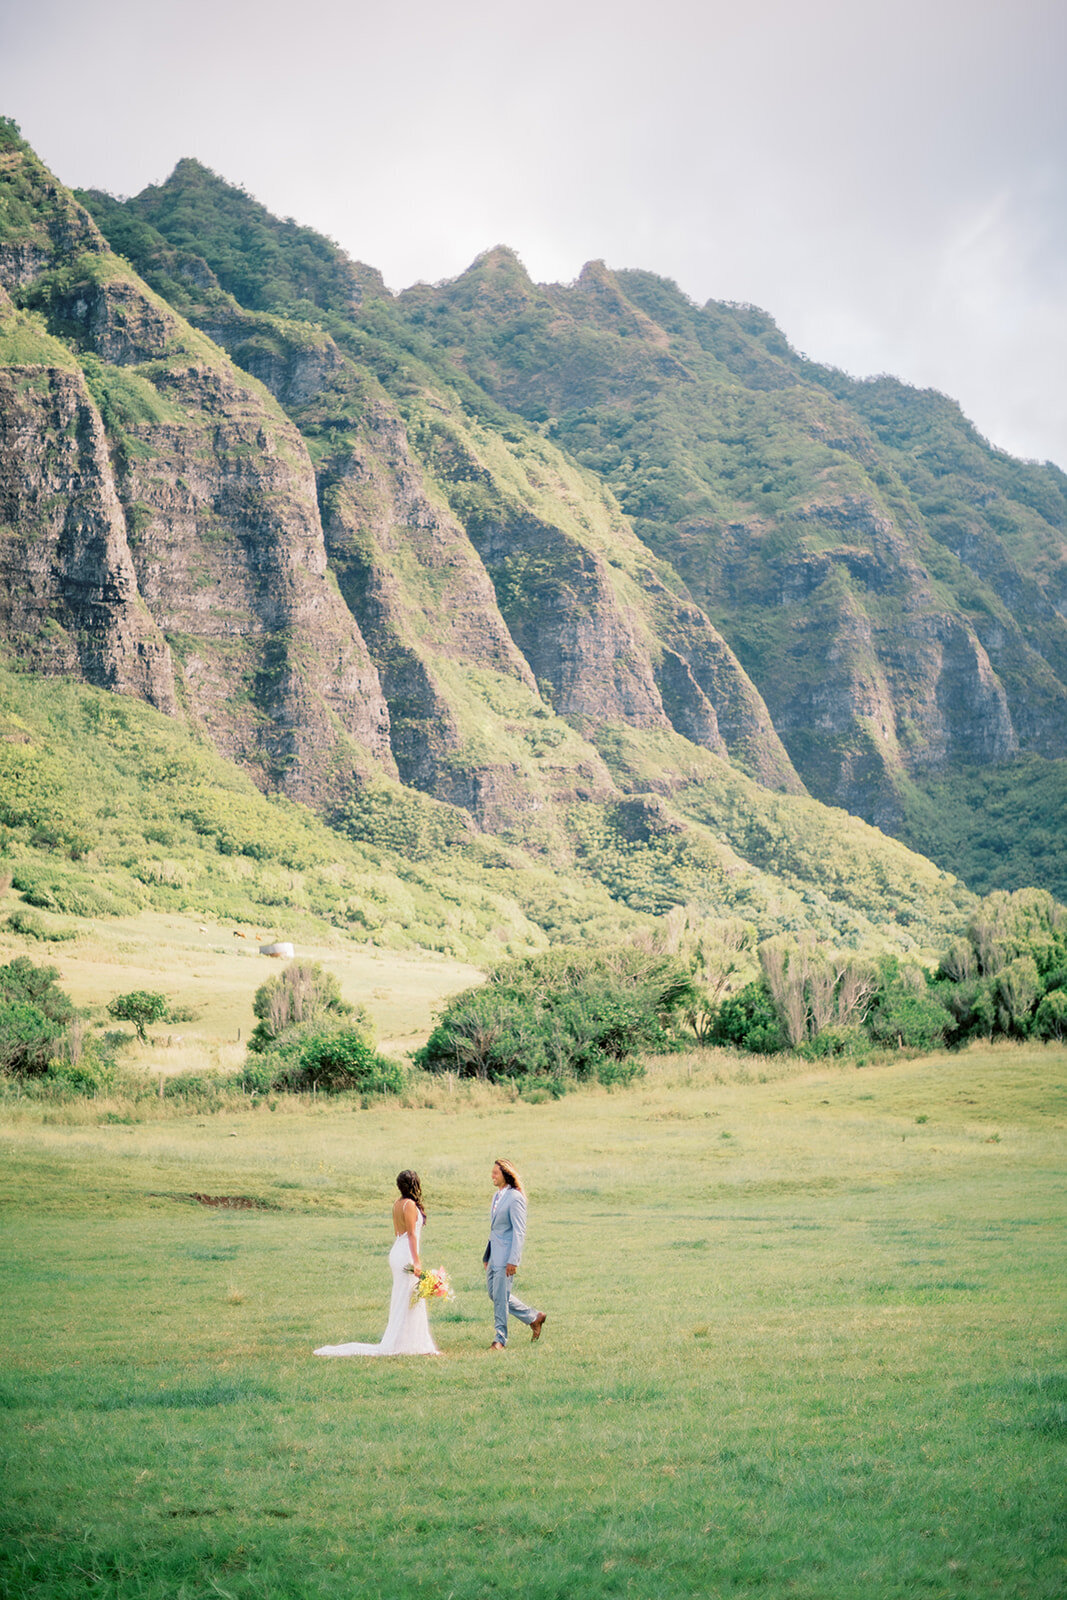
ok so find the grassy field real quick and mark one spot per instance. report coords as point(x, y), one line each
point(215, 969)
point(803, 1339)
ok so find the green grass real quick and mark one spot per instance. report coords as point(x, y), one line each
point(25, 342)
point(205, 971)
point(804, 1339)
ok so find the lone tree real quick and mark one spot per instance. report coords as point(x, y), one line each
point(140, 1006)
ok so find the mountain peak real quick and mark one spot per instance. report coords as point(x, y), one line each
point(495, 279)
point(41, 224)
point(501, 259)
point(598, 284)
point(262, 260)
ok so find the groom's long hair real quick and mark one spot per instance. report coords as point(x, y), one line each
point(411, 1189)
point(511, 1177)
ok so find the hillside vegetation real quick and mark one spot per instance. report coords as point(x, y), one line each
point(106, 806)
point(490, 615)
point(892, 587)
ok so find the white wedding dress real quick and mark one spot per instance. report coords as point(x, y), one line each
point(408, 1330)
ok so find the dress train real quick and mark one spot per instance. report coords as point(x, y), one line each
point(408, 1330)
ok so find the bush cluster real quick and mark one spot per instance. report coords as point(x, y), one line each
point(50, 887)
point(41, 1033)
point(565, 1016)
point(29, 926)
point(324, 1059)
point(1006, 976)
point(34, 1016)
point(309, 1038)
point(302, 994)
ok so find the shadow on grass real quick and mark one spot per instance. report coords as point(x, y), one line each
point(39, 1392)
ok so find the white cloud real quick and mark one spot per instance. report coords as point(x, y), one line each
point(887, 181)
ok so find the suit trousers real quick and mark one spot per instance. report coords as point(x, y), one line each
point(504, 1303)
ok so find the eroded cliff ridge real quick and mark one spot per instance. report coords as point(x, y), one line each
point(488, 608)
point(894, 587)
point(528, 548)
point(161, 527)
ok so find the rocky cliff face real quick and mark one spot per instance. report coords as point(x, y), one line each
point(609, 632)
point(231, 561)
point(68, 592)
point(461, 551)
point(865, 566)
point(181, 506)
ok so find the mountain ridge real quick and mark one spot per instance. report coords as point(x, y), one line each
point(521, 627)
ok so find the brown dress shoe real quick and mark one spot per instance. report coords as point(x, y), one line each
point(537, 1324)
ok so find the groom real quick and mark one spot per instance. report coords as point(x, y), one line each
point(507, 1230)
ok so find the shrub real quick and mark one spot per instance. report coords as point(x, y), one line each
point(749, 1020)
point(972, 1006)
point(88, 1075)
point(604, 1026)
point(344, 1059)
point(31, 927)
point(830, 1042)
point(1050, 1020)
point(28, 1038)
point(1013, 955)
point(208, 1091)
point(996, 978)
point(816, 990)
point(257, 1075)
point(332, 1060)
point(562, 1014)
point(612, 1074)
point(913, 1021)
point(299, 995)
point(1017, 988)
point(22, 980)
point(116, 1039)
point(492, 1035)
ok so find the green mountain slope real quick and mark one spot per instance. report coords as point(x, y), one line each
point(893, 587)
point(107, 806)
point(325, 534)
point(890, 583)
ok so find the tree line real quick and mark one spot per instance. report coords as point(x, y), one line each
point(574, 1015)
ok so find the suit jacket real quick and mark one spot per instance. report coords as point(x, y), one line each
point(507, 1228)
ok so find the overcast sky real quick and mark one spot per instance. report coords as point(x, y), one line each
point(888, 180)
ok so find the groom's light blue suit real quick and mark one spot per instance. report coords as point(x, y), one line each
point(507, 1234)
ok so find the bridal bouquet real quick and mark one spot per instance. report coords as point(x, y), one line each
point(431, 1286)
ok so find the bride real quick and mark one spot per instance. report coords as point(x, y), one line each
point(408, 1330)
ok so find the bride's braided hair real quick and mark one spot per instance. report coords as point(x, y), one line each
point(411, 1189)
